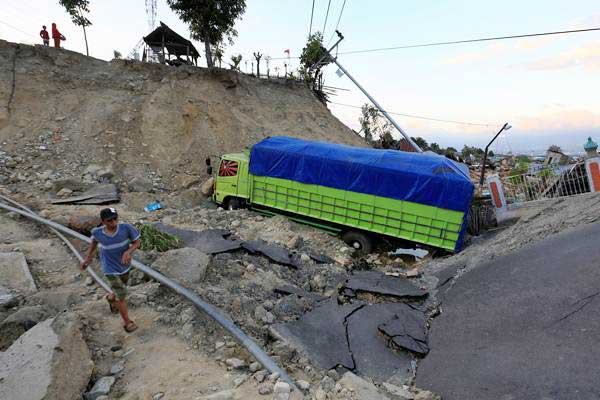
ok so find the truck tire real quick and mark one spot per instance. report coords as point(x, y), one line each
point(234, 203)
point(359, 241)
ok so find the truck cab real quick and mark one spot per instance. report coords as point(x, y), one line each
point(232, 185)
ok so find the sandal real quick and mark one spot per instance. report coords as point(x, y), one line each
point(130, 327)
point(111, 304)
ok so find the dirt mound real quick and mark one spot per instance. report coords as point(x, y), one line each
point(63, 115)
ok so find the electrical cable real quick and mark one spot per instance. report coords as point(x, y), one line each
point(422, 117)
point(337, 25)
point(326, 16)
point(412, 46)
point(312, 12)
point(17, 29)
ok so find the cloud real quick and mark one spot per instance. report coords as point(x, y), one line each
point(586, 56)
point(488, 52)
point(558, 119)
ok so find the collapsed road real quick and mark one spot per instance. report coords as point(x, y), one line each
point(523, 326)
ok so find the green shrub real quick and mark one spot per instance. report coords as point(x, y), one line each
point(154, 239)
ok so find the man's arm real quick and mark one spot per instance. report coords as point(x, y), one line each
point(88, 256)
point(126, 259)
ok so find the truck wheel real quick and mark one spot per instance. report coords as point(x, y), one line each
point(234, 203)
point(359, 241)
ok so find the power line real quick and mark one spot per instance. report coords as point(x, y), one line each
point(312, 12)
point(411, 46)
point(471, 40)
point(326, 16)
point(17, 29)
point(422, 117)
point(338, 23)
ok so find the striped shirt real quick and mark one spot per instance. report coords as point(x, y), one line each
point(113, 246)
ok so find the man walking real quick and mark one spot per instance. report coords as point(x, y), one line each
point(45, 36)
point(117, 242)
point(57, 36)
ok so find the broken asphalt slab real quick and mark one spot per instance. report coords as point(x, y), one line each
point(381, 284)
point(349, 335)
point(98, 194)
point(523, 326)
point(321, 334)
point(209, 241)
point(213, 241)
point(289, 289)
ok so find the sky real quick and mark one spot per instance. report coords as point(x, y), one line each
point(546, 88)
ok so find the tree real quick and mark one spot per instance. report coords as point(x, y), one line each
point(210, 21)
point(436, 148)
point(77, 8)
point(422, 143)
point(312, 53)
point(258, 56)
point(117, 55)
point(374, 127)
point(555, 149)
point(490, 153)
point(219, 54)
point(236, 60)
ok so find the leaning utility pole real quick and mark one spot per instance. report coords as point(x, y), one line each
point(375, 103)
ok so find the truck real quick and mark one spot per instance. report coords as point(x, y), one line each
point(361, 194)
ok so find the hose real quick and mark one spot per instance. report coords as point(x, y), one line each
point(209, 309)
point(89, 270)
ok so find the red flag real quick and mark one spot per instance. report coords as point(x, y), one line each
point(287, 51)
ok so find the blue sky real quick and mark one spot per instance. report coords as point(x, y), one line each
point(547, 88)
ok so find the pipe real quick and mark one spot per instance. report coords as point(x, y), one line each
point(89, 270)
point(209, 309)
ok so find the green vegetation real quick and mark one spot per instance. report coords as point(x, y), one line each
point(210, 21)
point(519, 169)
point(77, 9)
point(154, 239)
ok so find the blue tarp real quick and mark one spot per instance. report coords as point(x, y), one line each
point(417, 177)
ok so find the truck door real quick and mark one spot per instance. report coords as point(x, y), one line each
point(227, 181)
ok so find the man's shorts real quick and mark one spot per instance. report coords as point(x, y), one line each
point(118, 284)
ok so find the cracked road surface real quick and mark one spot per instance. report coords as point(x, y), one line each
point(524, 326)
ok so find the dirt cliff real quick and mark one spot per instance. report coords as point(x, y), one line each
point(61, 111)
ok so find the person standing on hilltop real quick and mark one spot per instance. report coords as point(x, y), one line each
point(117, 242)
point(57, 36)
point(45, 36)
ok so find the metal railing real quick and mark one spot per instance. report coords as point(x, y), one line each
point(546, 183)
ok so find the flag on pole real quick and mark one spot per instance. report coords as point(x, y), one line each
point(339, 73)
point(287, 51)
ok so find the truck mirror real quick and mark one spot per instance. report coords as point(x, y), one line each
point(208, 161)
point(209, 170)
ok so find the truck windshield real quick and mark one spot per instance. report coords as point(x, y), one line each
point(228, 168)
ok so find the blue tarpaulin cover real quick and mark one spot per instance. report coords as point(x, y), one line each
point(422, 178)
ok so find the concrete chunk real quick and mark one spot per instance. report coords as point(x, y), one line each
point(15, 274)
point(50, 362)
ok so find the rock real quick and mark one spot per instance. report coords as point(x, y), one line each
point(64, 192)
point(281, 391)
point(235, 363)
point(320, 394)
point(303, 385)
point(89, 281)
point(137, 299)
point(84, 223)
point(19, 322)
point(238, 381)
point(327, 383)
point(37, 357)
point(260, 376)
point(304, 257)
point(223, 395)
point(7, 298)
point(187, 265)
point(207, 187)
point(140, 184)
point(255, 366)
point(265, 388)
point(426, 395)
point(362, 388)
point(158, 396)
point(101, 388)
point(184, 181)
point(15, 275)
point(57, 299)
point(295, 242)
point(402, 393)
point(333, 374)
point(261, 314)
point(117, 369)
